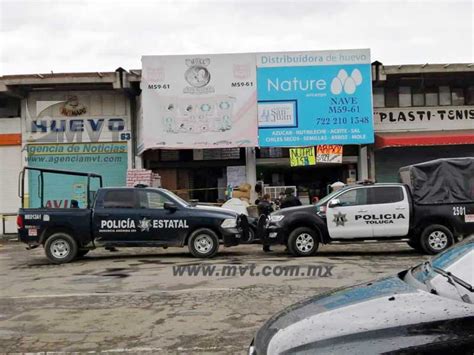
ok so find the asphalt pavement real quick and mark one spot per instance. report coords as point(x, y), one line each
point(136, 301)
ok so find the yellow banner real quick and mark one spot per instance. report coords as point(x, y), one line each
point(302, 156)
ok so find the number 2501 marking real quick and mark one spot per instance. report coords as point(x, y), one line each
point(459, 211)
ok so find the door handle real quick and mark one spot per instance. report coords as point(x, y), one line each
point(362, 211)
point(400, 208)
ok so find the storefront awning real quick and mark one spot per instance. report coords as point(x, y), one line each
point(10, 139)
point(411, 139)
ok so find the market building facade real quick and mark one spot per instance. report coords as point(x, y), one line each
point(421, 113)
point(96, 122)
point(73, 121)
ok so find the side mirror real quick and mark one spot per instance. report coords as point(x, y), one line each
point(334, 203)
point(170, 206)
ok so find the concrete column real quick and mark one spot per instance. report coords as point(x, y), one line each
point(138, 162)
point(251, 171)
point(362, 164)
point(371, 163)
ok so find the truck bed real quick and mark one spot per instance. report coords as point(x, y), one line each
point(41, 222)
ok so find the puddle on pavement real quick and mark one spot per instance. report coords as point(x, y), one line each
point(160, 262)
point(117, 275)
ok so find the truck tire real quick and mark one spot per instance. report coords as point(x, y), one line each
point(303, 241)
point(60, 248)
point(203, 243)
point(436, 238)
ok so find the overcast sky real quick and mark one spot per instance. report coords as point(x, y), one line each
point(73, 36)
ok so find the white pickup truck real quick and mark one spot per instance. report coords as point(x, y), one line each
point(430, 215)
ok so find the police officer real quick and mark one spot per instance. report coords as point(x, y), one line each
point(265, 207)
point(290, 200)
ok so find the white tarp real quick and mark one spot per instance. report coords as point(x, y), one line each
point(200, 101)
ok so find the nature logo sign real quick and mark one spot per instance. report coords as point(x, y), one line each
point(314, 98)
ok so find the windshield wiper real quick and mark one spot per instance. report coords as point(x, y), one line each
point(427, 282)
point(453, 279)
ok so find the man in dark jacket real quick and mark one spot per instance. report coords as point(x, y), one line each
point(265, 207)
point(290, 200)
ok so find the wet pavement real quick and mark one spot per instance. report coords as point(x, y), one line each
point(130, 302)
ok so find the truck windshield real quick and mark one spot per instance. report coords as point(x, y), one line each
point(327, 198)
point(176, 197)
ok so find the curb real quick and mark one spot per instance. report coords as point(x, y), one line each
point(8, 238)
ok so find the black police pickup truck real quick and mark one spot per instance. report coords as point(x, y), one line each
point(126, 217)
point(432, 208)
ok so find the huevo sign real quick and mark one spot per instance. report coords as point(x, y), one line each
point(76, 118)
point(314, 98)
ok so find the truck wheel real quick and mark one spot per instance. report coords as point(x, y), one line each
point(436, 238)
point(303, 242)
point(60, 248)
point(203, 243)
point(251, 236)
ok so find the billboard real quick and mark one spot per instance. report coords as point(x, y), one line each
point(313, 98)
point(442, 118)
point(76, 116)
point(106, 159)
point(207, 101)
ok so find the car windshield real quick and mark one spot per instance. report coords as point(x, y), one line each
point(445, 268)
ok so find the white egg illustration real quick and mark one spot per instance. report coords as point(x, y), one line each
point(350, 86)
point(336, 86)
point(342, 75)
point(357, 76)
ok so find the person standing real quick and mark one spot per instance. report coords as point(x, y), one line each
point(265, 207)
point(290, 200)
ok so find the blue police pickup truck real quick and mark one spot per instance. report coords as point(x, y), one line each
point(125, 217)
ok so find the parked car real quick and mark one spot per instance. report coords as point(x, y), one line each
point(426, 309)
point(127, 217)
point(432, 210)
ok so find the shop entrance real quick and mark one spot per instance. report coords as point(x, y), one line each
point(205, 184)
point(311, 181)
point(208, 184)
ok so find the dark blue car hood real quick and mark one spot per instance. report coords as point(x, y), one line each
point(360, 317)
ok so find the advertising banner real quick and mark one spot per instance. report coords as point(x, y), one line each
point(106, 159)
point(75, 117)
point(329, 154)
point(302, 156)
point(206, 101)
point(442, 118)
point(313, 98)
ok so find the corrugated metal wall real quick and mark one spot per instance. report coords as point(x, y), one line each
point(389, 160)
